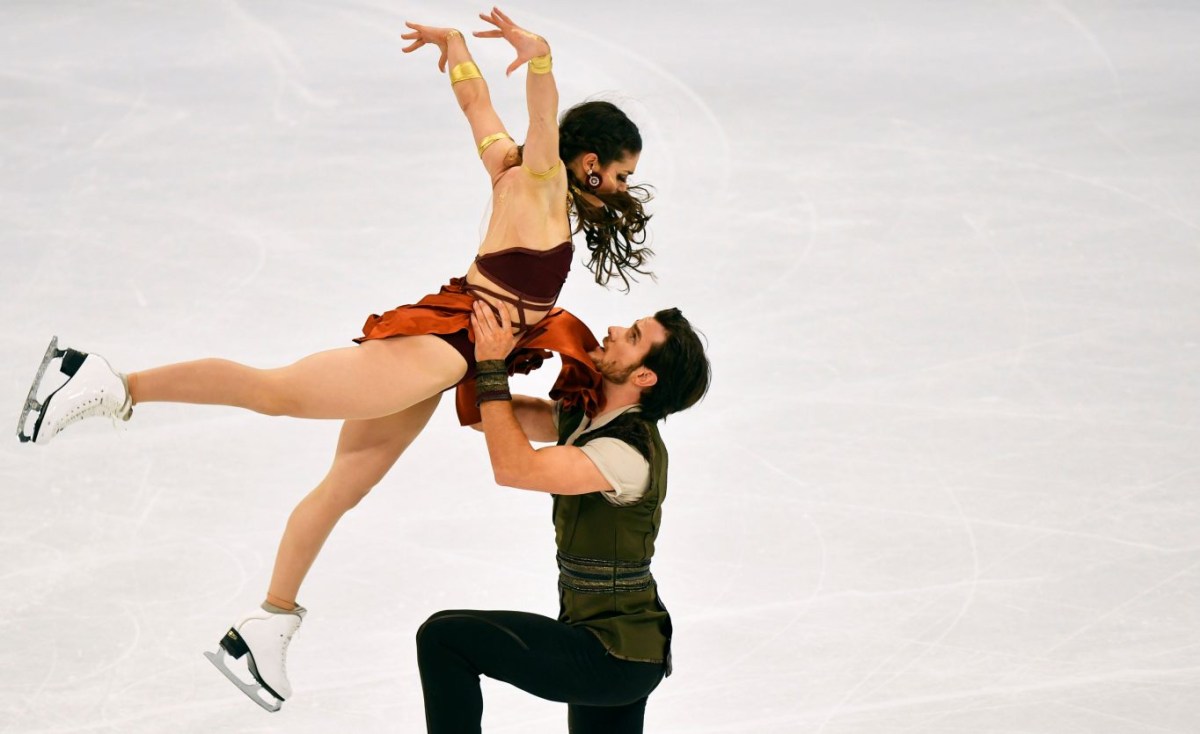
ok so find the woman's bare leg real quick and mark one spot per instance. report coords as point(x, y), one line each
point(366, 450)
point(375, 379)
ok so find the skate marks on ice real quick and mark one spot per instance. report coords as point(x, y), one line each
point(977, 529)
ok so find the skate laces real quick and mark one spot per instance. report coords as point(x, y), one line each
point(101, 402)
point(94, 405)
point(287, 640)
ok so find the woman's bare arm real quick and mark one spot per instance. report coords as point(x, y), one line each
point(540, 154)
point(471, 93)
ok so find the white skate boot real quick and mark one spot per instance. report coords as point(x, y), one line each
point(265, 636)
point(92, 389)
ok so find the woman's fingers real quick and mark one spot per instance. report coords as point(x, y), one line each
point(416, 35)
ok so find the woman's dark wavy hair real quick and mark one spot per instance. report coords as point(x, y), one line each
point(683, 370)
point(615, 231)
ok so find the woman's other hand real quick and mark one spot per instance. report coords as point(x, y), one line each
point(528, 45)
point(423, 34)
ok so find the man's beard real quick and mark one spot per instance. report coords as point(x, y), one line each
point(614, 374)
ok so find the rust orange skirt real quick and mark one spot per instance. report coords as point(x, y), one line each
point(449, 310)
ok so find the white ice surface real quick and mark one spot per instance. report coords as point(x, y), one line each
point(947, 255)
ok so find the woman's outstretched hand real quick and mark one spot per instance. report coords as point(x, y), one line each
point(423, 34)
point(528, 45)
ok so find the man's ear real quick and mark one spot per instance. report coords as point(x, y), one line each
point(645, 378)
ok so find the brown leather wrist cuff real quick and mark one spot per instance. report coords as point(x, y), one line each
point(491, 381)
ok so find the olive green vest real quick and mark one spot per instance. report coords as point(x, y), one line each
point(604, 550)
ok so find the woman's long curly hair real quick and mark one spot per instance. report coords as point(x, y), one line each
point(616, 230)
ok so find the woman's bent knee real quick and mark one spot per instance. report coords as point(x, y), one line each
point(344, 492)
point(346, 496)
point(276, 396)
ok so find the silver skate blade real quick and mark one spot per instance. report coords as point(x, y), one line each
point(31, 402)
point(218, 660)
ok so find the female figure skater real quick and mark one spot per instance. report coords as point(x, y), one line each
point(386, 388)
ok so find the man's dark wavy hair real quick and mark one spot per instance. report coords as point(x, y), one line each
point(682, 367)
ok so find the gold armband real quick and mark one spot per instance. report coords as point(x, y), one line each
point(487, 142)
point(463, 72)
point(540, 64)
point(548, 173)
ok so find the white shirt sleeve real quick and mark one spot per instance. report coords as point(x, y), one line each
point(626, 471)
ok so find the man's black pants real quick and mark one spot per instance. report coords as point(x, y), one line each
point(536, 654)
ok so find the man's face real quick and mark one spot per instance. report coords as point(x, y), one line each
point(625, 348)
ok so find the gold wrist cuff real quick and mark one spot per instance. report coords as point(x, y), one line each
point(487, 142)
point(463, 72)
point(540, 64)
point(453, 33)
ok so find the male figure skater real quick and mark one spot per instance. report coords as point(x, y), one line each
point(610, 646)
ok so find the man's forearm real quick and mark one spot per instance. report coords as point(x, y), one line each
point(508, 446)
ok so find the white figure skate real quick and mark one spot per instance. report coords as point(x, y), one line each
point(92, 389)
point(265, 636)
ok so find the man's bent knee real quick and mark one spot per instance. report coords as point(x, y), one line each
point(434, 630)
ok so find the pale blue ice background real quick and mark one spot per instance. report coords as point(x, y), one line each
point(947, 255)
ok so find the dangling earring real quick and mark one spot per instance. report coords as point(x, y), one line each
point(593, 179)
